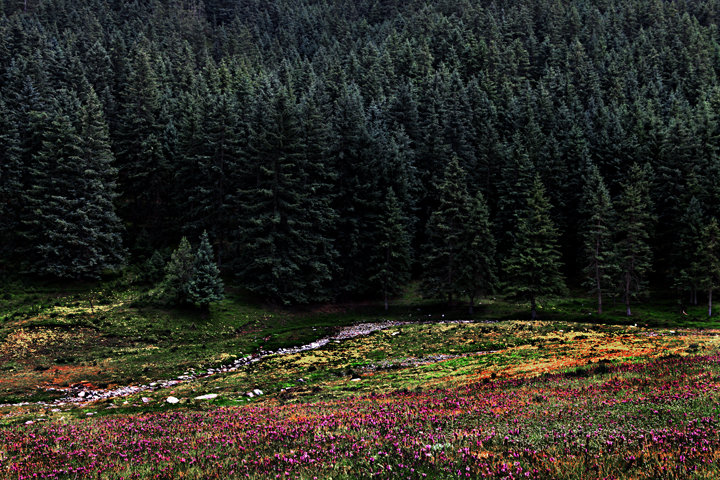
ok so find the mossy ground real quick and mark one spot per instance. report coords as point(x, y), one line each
point(103, 336)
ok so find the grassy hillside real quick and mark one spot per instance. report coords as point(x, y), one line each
point(433, 393)
point(98, 334)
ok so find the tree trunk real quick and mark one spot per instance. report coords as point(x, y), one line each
point(627, 296)
point(386, 301)
point(472, 304)
point(533, 309)
point(597, 277)
point(709, 302)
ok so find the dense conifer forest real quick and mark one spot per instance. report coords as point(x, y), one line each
point(338, 149)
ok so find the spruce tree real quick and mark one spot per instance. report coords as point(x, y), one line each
point(99, 178)
point(11, 185)
point(598, 217)
point(517, 172)
point(444, 233)
point(69, 225)
point(532, 269)
point(395, 256)
point(358, 198)
point(138, 146)
point(708, 262)
point(689, 248)
point(476, 273)
point(178, 272)
point(635, 223)
point(283, 257)
point(205, 285)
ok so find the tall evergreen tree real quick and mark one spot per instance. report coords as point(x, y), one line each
point(598, 218)
point(204, 285)
point(444, 234)
point(532, 269)
point(11, 185)
point(69, 225)
point(476, 264)
point(708, 262)
point(358, 199)
point(100, 183)
point(635, 224)
point(138, 145)
point(282, 256)
point(178, 272)
point(689, 250)
point(395, 256)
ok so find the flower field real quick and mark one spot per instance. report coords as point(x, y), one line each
point(640, 420)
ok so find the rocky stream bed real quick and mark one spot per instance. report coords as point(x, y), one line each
point(82, 394)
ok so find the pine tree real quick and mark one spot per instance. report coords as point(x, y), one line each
point(393, 266)
point(100, 185)
point(205, 285)
point(516, 175)
point(476, 263)
point(444, 233)
point(708, 262)
point(532, 269)
point(178, 272)
point(283, 256)
point(598, 217)
point(212, 137)
point(138, 146)
point(358, 199)
point(11, 169)
point(69, 225)
point(689, 249)
point(635, 223)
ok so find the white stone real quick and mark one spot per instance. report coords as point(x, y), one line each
point(258, 392)
point(172, 400)
point(209, 396)
point(250, 394)
point(147, 400)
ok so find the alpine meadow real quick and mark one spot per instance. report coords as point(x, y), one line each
point(349, 239)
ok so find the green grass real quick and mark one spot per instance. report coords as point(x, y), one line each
point(105, 334)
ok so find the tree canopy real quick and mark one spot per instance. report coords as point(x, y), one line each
point(280, 126)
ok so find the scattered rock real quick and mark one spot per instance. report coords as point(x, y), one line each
point(89, 394)
point(258, 392)
point(147, 400)
point(209, 396)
